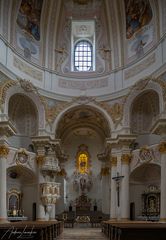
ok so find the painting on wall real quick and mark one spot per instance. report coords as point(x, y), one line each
point(28, 27)
point(139, 28)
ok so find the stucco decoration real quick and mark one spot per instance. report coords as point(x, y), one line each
point(4, 86)
point(143, 65)
point(4, 151)
point(23, 67)
point(140, 28)
point(145, 155)
point(83, 85)
point(28, 28)
point(53, 108)
point(114, 109)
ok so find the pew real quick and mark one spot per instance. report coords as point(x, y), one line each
point(37, 230)
point(134, 230)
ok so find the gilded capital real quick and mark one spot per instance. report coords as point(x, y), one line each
point(104, 171)
point(113, 161)
point(40, 159)
point(162, 147)
point(125, 159)
point(4, 151)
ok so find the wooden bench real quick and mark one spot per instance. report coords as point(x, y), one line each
point(40, 230)
point(134, 230)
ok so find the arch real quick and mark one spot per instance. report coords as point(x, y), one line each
point(140, 88)
point(144, 111)
point(23, 113)
point(30, 95)
point(92, 106)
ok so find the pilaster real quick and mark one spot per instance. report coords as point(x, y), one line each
point(6, 130)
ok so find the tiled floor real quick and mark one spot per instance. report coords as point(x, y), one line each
point(82, 234)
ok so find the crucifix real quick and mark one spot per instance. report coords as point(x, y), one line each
point(117, 179)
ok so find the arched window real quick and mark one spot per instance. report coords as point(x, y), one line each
point(83, 57)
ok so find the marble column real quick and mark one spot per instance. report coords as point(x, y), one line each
point(4, 150)
point(124, 201)
point(113, 207)
point(162, 149)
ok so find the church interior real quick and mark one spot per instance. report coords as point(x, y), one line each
point(83, 117)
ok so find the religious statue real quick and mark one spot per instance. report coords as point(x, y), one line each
point(82, 184)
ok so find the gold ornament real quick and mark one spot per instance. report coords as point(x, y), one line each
point(162, 147)
point(113, 161)
point(62, 173)
point(126, 158)
point(4, 150)
point(104, 171)
point(40, 159)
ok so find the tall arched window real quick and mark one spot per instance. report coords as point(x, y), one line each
point(83, 57)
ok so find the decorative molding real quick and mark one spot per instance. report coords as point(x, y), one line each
point(3, 90)
point(4, 151)
point(140, 67)
point(27, 69)
point(162, 147)
point(83, 85)
point(115, 111)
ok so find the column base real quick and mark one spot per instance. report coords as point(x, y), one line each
point(125, 219)
point(162, 220)
point(41, 219)
point(3, 220)
point(113, 219)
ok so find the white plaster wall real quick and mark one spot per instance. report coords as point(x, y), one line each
point(19, 141)
point(29, 197)
point(135, 196)
point(147, 139)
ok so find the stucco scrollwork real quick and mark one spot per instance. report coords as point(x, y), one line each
point(4, 86)
point(53, 108)
point(27, 85)
point(146, 154)
point(115, 111)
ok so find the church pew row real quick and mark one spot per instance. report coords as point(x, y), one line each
point(40, 230)
point(134, 230)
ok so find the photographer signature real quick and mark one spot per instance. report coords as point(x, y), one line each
point(25, 233)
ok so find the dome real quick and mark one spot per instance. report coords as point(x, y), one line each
point(43, 42)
